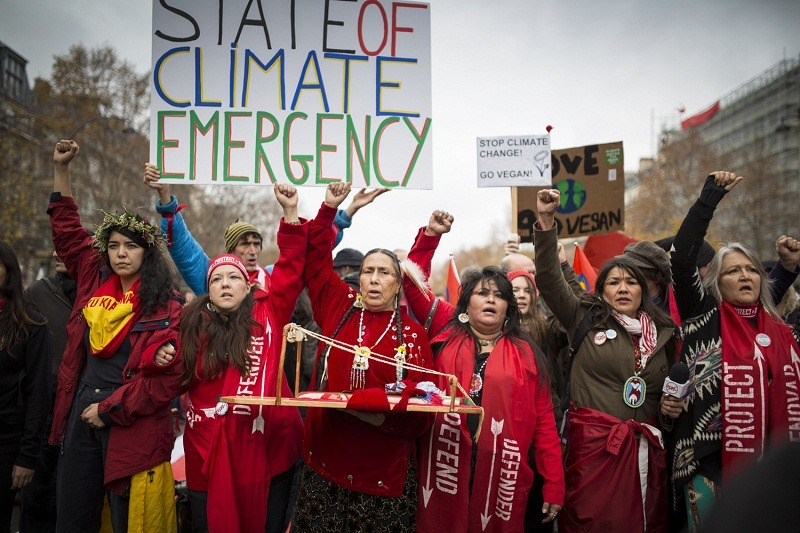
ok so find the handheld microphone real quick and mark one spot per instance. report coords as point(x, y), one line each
point(677, 383)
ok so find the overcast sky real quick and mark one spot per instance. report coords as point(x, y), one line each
point(597, 71)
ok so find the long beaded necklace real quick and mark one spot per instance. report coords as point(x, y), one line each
point(361, 358)
point(476, 383)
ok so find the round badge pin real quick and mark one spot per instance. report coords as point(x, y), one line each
point(221, 408)
point(600, 338)
point(611, 334)
point(763, 339)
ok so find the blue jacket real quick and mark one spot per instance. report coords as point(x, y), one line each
point(189, 256)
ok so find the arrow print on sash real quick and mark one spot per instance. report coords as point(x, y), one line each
point(497, 428)
point(427, 490)
point(795, 362)
point(759, 356)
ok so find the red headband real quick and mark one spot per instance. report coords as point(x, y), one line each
point(226, 259)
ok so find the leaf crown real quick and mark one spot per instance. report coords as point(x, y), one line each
point(133, 222)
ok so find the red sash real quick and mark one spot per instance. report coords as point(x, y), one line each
point(760, 386)
point(251, 443)
point(502, 476)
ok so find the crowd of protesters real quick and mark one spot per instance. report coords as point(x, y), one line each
point(579, 431)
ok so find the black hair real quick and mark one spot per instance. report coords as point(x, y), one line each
point(221, 339)
point(14, 316)
point(603, 308)
point(157, 281)
point(392, 256)
point(513, 322)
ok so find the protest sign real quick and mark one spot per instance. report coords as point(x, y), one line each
point(514, 161)
point(591, 180)
point(307, 93)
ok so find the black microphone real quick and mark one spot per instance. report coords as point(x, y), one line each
point(677, 383)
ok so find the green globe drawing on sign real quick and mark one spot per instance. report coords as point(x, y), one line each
point(573, 196)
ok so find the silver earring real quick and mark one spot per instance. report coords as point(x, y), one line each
point(463, 318)
point(210, 306)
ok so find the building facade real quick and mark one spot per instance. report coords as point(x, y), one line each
point(755, 131)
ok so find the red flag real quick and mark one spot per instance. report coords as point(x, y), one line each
point(584, 270)
point(453, 288)
point(700, 118)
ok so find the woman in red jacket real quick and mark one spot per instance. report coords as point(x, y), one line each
point(231, 342)
point(358, 472)
point(112, 411)
point(482, 343)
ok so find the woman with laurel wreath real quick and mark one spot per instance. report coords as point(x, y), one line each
point(112, 412)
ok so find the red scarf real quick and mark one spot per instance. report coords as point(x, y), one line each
point(251, 443)
point(502, 476)
point(760, 386)
point(110, 315)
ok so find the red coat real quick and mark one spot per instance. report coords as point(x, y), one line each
point(518, 415)
point(265, 439)
point(341, 448)
point(142, 433)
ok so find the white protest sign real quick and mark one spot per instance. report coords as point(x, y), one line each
point(514, 161)
point(307, 93)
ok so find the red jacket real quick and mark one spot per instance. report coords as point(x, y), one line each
point(233, 455)
point(341, 448)
point(142, 433)
point(518, 414)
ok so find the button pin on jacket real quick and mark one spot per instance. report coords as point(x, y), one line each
point(600, 338)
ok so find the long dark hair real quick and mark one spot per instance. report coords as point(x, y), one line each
point(513, 323)
point(603, 309)
point(220, 339)
point(14, 316)
point(157, 280)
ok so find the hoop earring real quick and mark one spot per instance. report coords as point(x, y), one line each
point(463, 318)
point(210, 306)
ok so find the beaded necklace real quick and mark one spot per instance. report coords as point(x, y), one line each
point(476, 383)
point(358, 371)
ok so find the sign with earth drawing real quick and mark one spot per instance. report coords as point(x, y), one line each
point(591, 180)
